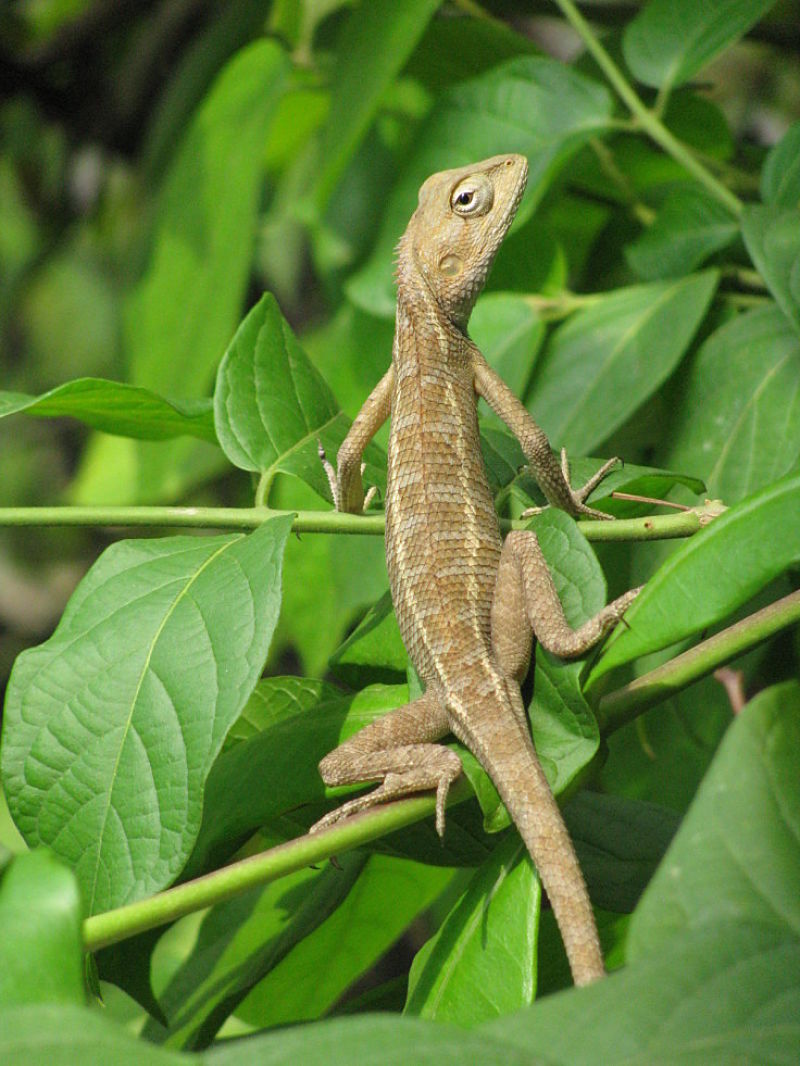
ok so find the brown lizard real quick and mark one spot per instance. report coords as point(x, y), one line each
point(468, 606)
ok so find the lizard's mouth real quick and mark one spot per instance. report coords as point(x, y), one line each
point(520, 163)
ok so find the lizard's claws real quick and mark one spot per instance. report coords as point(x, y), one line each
point(579, 495)
point(333, 480)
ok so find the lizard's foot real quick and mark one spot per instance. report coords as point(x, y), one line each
point(579, 495)
point(397, 786)
point(333, 481)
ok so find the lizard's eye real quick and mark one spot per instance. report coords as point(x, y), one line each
point(473, 196)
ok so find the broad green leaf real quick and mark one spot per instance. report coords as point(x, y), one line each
point(273, 697)
point(61, 1035)
point(529, 260)
point(619, 844)
point(183, 311)
point(664, 754)
point(310, 980)
point(113, 407)
point(369, 1040)
point(321, 600)
point(374, 646)
point(41, 950)
point(670, 40)
point(727, 995)
point(509, 333)
point(271, 406)
point(482, 961)
point(603, 363)
point(229, 27)
point(711, 575)
point(537, 107)
point(113, 724)
point(745, 817)
point(737, 421)
point(690, 227)
point(454, 49)
point(275, 771)
point(239, 942)
point(772, 236)
point(780, 175)
point(352, 352)
point(372, 49)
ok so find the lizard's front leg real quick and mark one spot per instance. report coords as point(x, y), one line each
point(526, 604)
point(345, 482)
point(552, 476)
point(399, 750)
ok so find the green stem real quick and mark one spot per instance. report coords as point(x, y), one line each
point(657, 527)
point(112, 926)
point(648, 121)
point(618, 707)
point(191, 517)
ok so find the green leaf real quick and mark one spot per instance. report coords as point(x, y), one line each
point(271, 406)
point(772, 237)
point(296, 733)
point(371, 51)
point(728, 995)
point(745, 817)
point(113, 724)
point(780, 175)
point(65, 1035)
point(453, 49)
point(509, 333)
point(274, 697)
point(370, 1040)
point(482, 961)
point(309, 981)
point(537, 107)
point(603, 363)
point(757, 539)
point(239, 942)
point(690, 227)
point(737, 421)
point(183, 311)
point(41, 950)
point(670, 40)
point(113, 407)
point(374, 647)
point(563, 726)
point(619, 844)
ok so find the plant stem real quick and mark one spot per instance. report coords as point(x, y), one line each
point(647, 120)
point(618, 707)
point(112, 926)
point(654, 527)
point(191, 517)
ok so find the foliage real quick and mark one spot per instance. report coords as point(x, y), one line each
point(646, 303)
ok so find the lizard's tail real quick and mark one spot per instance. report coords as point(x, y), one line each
point(500, 739)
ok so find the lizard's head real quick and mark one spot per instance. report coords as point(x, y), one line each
point(460, 221)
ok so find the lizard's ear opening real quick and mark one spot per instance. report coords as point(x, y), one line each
point(472, 196)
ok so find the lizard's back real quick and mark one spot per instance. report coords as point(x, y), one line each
point(442, 536)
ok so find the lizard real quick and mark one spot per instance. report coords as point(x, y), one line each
point(468, 605)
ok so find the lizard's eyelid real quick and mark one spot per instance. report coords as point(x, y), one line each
point(472, 196)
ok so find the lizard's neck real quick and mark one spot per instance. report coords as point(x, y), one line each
point(424, 332)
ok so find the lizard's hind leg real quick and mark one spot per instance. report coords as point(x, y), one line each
point(399, 750)
point(526, 604)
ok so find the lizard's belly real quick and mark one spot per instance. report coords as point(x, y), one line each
point(442, 536)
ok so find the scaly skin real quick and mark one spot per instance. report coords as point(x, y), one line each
point(467, 605)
